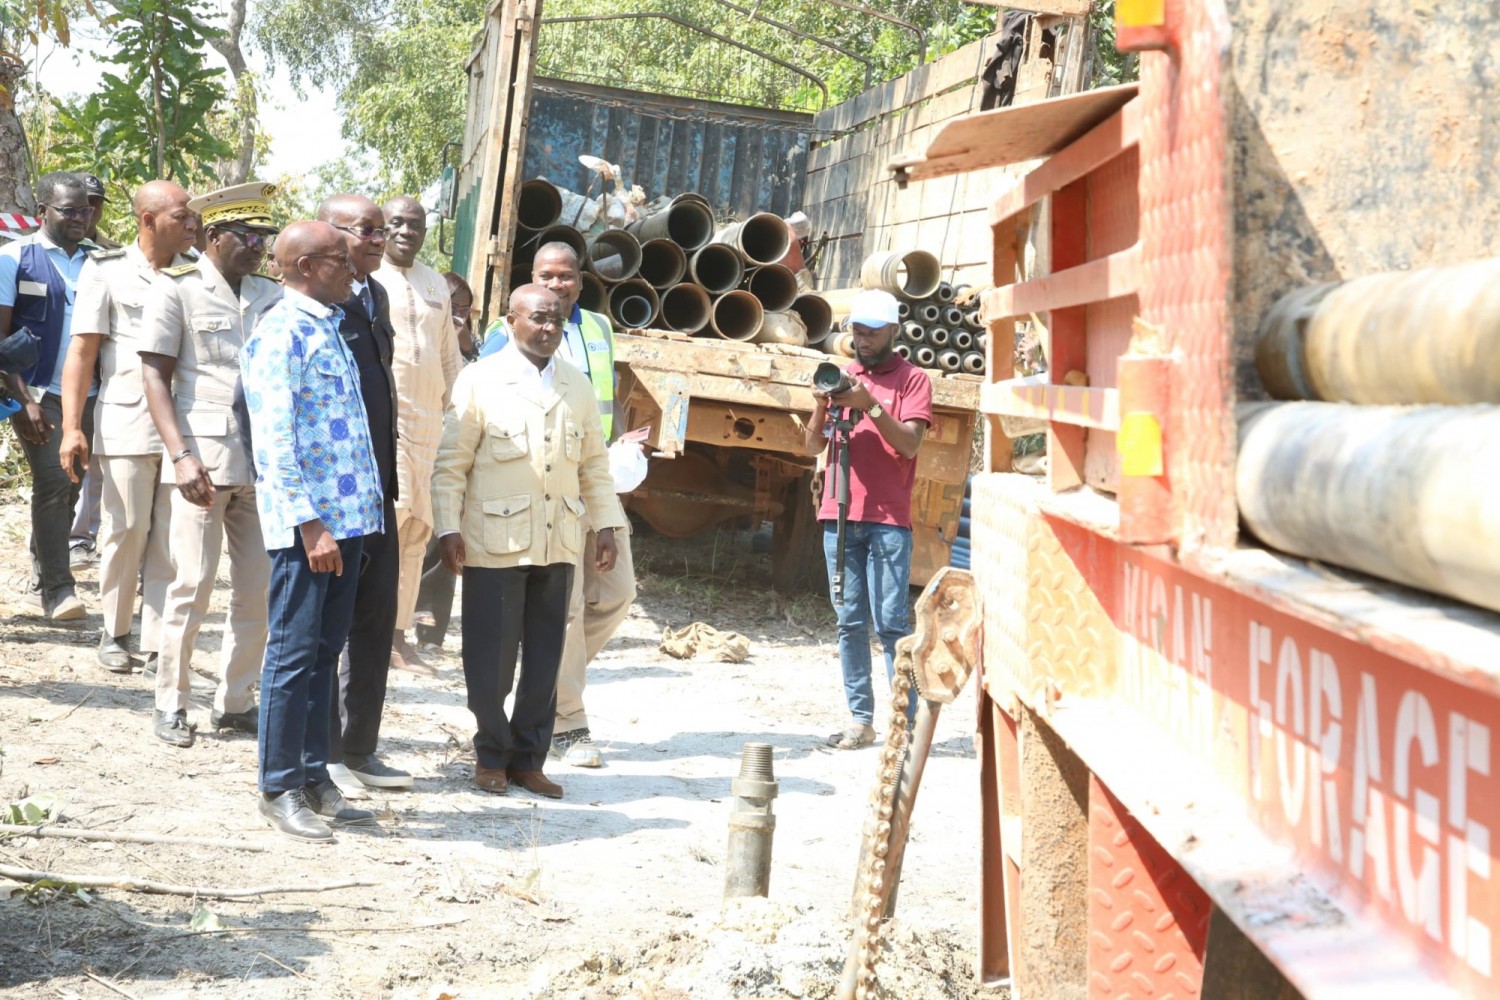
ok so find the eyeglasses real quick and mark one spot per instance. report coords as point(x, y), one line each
point(462, 312)
point(366, 233)
point(87, 212)
point(252, 240)
point(342, 258)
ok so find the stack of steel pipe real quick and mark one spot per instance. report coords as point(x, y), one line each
point(1380, 459)
point(940, 327)
point(675, 270)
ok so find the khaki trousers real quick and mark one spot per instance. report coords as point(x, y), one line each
point(198, 535)
point(412, 534)
point(134, 535)
point(599, 603)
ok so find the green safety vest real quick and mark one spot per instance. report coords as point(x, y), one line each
point(599, 344)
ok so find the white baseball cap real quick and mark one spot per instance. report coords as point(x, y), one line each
point(873, 308)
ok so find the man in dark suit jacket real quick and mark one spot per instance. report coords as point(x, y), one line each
point(366, 328)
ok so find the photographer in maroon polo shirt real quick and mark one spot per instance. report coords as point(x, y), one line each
point(892, 400)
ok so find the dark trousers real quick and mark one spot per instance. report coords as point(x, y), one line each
point(518, 610)
point(435, 595)
point(366, 664)
point(309, 621)
point(53, 498)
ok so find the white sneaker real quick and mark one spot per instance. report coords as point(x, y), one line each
point(576, 748)
point(69, 609)
point(351, 786)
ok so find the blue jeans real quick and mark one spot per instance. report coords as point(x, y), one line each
point(877, 573)
point(309, 622)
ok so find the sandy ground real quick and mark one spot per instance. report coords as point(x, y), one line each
point(613, 892)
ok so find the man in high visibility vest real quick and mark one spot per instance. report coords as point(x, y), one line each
point(600, 601)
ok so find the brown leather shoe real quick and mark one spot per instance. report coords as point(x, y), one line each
point(536, 781)
point(491, 779)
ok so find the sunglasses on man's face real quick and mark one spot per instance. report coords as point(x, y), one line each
point(86, 212)
point(252, 240)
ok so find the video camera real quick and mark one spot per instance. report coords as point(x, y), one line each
point(830, 378)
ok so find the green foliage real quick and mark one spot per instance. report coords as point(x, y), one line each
point(1111, 66)
point(31, 811)
point(165, 92)
point(398, 69)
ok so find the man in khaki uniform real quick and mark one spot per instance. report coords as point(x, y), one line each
point(521, 466)
point(425, 361)
point(197, 318)
point(137, 507)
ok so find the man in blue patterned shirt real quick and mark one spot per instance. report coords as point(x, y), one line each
point(319, 495)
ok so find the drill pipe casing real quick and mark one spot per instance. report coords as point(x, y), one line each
point(1402, 493)
point(1412, 337)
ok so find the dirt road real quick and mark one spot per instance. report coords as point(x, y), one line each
point(613, 892)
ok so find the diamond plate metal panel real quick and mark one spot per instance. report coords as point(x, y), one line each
point(1148, 920)
point(1004, 507)
point(1070, 638)
point(1185, 201)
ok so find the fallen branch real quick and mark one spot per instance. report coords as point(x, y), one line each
point(107, 984)
point(280, 929)
point(124, 837)
point(131, 884)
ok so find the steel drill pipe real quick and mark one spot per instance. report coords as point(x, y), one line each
point(961, 295)
point(949, 360)
point(1425, 336)
point(634, 304)
point(782, 328)
point(924, 356)
point(775, 286)
point(763, 238)
point(685, 308)
point(840, 343)
point(973, 363)
point(736, 315)
point(1401, 493)
point(953, 316)
point(663, 264)
point(972, 320)
point(962, 340)
point(906, 274)
point(538, 206)
point(943, 292)
point(904, 350)
point(752, 824)
point(938, 336)
point(816, 314)
point(557, 234)
point(928, 313)
point(593, 295)
point(903, 310)
point(614, 255)
point(687, 221)
point(717, 267)
point(915, 333)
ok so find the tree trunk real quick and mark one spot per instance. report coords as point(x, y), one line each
point(15, 169)
point(228, 46)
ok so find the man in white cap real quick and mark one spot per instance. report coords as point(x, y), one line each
point(889, 405)
point(196, 321)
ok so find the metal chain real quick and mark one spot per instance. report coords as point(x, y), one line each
point(870, 900)
point(656, 111)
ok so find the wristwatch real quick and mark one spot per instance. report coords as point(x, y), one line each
point(876, 410)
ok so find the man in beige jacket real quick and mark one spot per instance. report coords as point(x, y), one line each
point(522, 462)
point(424, 361)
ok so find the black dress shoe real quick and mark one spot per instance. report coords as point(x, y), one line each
point(247, 721)
point(289, 813)
point(113, 656)
point(327, 801)
point(173, 728)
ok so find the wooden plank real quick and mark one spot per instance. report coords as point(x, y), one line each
point(1102, 143)
point(1093, 281)
point(927, 80)
point(1009, 135)
point(1079, 406)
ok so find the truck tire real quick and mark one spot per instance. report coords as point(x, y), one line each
point(797, 562)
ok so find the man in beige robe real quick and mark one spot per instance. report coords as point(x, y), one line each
point(425, 364)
